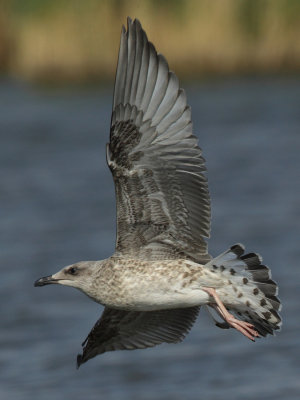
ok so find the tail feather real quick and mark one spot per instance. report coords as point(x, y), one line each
point(251, 293)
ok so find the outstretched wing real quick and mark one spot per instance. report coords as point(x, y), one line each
point(163, 205)
point(130, 330)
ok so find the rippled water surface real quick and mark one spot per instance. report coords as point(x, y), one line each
point(57, 207)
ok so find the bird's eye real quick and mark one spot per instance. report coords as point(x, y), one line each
point(72, 270)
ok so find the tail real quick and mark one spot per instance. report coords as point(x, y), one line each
point(250, 293)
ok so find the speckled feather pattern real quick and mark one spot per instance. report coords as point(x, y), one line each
point(132, 284)
point(172, 290)
point(148, 285)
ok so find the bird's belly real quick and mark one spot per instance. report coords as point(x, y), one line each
point(159, 300)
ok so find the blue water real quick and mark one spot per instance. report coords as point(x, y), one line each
point(57, 207)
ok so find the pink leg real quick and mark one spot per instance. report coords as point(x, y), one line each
point(245, 328)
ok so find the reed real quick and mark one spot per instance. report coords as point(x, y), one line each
point(73, 40)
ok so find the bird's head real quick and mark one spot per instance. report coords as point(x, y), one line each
point(79, 275)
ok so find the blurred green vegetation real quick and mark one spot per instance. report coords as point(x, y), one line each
point(77, 41)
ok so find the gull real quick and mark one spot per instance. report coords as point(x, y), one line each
point(161, 273)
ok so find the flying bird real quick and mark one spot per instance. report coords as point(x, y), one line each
point(161, 273)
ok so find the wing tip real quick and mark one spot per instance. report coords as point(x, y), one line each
point(129, 21)
point(133, 23)
point(79, 361)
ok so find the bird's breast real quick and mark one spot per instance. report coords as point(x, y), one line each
point(147, 286)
